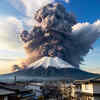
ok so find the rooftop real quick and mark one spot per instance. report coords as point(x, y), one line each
point(90, 80)
point(6, 92)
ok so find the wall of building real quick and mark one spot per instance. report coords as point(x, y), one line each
point(96, 98)
point(93, 88)
point(96, 88)
point(86, 98)
point(3, 97)
point(88, 88)
point(6, 98)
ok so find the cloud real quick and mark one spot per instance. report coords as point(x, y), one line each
point(18, 5)
point(8, 28)
point(32, 5)
point(6, 65)
point(29, 6)
point(5, 59)
point(67, 1)
point(86, 32)
point(86, 27)
point(89, 31)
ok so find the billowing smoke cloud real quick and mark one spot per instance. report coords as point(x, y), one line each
point(53, 35)
point(27, 8)
point(87, 33)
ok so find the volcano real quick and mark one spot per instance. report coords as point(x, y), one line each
point(48, 68)
point(46, 62)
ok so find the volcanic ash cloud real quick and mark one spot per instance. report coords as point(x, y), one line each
point(52, 36)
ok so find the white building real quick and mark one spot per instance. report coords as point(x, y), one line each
point(88, 89)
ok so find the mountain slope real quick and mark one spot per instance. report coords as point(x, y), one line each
point(47, 69)
point(51, 61)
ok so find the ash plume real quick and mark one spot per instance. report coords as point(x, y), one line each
point(53, 36)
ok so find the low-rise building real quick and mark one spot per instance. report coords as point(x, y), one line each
point(4, 93)
point(88, 89)
point(14, 92)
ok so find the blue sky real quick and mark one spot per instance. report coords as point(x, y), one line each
point(20, 12)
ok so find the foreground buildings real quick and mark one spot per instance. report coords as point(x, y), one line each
point(14, 92)
point(53, 89)
point(87, 89)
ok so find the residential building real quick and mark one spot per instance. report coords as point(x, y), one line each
point(88, 89)
point(15, 92)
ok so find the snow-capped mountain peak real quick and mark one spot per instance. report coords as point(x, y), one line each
point(51, 61)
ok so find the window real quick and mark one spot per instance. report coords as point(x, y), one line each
point(86, 86)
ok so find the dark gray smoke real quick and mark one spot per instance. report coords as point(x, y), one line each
point(53, 36)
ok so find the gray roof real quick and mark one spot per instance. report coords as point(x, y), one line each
point(89, 80)
point(6, 92)
point(11, 87)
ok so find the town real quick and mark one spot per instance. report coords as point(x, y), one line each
point(53, 66)
point(51, 90)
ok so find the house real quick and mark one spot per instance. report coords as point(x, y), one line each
point(87, 89)
point(4, 93)
point(14, 92)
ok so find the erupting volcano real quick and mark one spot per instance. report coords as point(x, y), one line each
point(54, 49)
point(52, 36)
